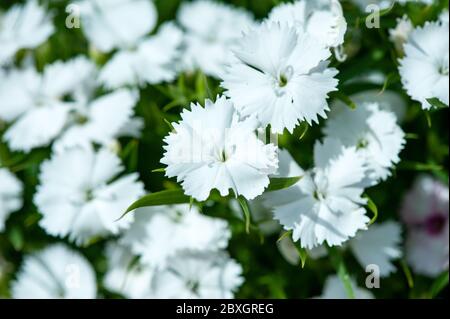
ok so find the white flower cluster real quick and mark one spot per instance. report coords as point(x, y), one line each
point(165, 255)
point(276, 74)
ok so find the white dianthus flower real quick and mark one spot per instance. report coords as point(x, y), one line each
point(125, 275)
point(10, 195)
point(375, 134)
point(400, 34)
point(425, 211)
point(81, 197)
point(198, 275)
point(378, 245)
point(38, 106)
point(211, 148)
point(150, 61)
point(161, 232)
point(281, 76)
point(334, 289)
point(424, 69)
point(211, 30)
point(326, 205)
point(322, 19)
point(99, 121)
point(55, 272)
point(107, 23)
point(23, 27)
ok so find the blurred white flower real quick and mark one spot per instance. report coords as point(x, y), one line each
point(388, 100)
point(99, 121)
point(425, 212)
point(334, 289)
point(125, 275)
point(211, 30)
point(322, 19)
point(107, 23)
point(55, 272)
point(375, 134)
point(81, 197)
point(39, 105)
point(384, 4)
point(199, 275)
point(281, 76)
point(424, 69)
point(400, 34)
point(151, 61)
point(10, 195)
point(23, 27)
point(212, 149)
point(326, 205)
point(378, 245)
point(161, 232)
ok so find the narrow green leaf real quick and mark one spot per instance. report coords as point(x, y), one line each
point(428, 117)
point(415, 166)
point(343, 98)
point(246, 210)
point(303, 254)
point(278, 183)
point(169, 124)
point(435, 102)
point(166, 197)
point(341, 270)
point(439, 284)
point(408, 274)
point(16, 239)
point(373, 208)
point(284, 235)
point(391, 78)
point(159, 170)
point(412, 136)
point(304, 129)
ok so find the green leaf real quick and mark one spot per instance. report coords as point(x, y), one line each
point(439, 284)
point(246, 210)
point(278, 183)
point(435, 102)
point(284, 235)
point(341, 270)
point(343, 98)
point(166, 197)
point(304, 129)
point(391, 78)
point(169, 124)
point(16, 239)
point(415, 166)
point(412, 136)
point(373, 208)
point(159, 170)
point(303, 254)
point(408, 274)
point(428, 117)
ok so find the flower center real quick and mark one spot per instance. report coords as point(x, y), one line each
point(283, 81)
point(443, 68)
point(435, 224)
point(193, 285)
point(285, 76)
point(321, 186)
point(89, 195)
point(362, 143)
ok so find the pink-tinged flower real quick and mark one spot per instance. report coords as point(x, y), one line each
point(425, 212)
